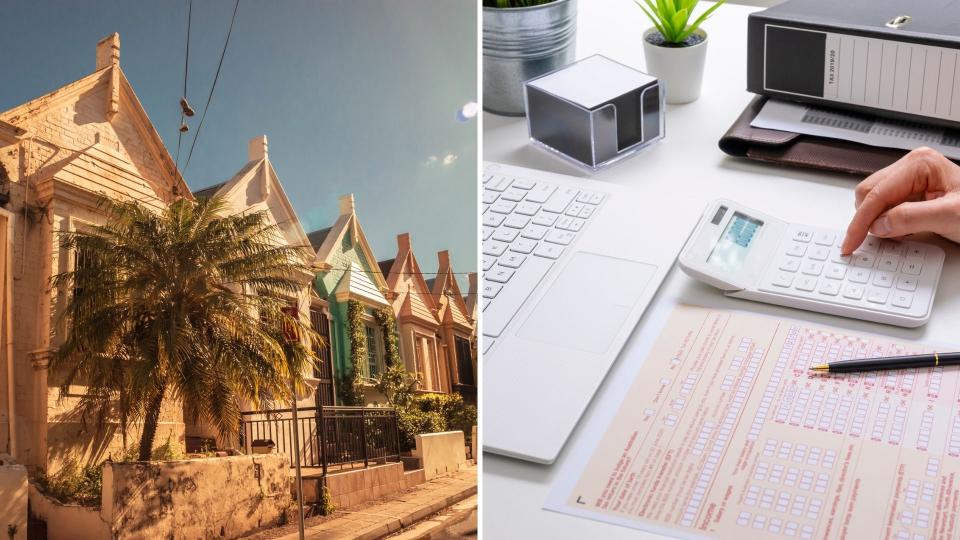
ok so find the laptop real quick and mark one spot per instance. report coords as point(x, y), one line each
point(569, 266)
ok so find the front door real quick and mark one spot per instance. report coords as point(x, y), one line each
point(321, 325)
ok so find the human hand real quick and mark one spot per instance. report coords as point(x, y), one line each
point(918, 193)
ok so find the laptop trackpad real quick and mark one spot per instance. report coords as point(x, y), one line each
point(587, 305)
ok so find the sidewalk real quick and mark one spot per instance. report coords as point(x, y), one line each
point(385, 516)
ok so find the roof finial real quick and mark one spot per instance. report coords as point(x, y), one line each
point(257, 149)
point(347, 206)
point(108, 51)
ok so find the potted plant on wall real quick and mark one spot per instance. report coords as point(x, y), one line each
point(674, 48)
point(523, 39)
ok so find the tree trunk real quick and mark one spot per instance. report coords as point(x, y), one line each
point(150, 427)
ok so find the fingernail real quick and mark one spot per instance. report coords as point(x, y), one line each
point(881, 227)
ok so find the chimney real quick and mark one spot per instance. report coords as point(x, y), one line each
point(472, 277)
point(347, 205)
point(257, 148)
point(108, 51)
point(403, 241)
point(444, 258)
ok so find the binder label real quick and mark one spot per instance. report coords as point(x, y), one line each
point(886, 74)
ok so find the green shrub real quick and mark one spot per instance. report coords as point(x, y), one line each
point(74, 484)
point(430, 413)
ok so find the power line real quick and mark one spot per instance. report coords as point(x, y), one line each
point(213, 87)
point(186, 65)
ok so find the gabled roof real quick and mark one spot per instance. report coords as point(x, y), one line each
point(210, 191)
point(356, 282)
point(385, 267)
point(126, 100)
point(405, 279)
point(455, 309)
point(470, 299)
point(317, 237)
point(257, 187)
point(346, 224)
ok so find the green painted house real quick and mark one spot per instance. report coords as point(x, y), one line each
point(347, 270)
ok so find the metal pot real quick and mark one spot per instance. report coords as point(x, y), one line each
point(520, 44)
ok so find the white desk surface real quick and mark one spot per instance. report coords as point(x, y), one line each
point(688, 159)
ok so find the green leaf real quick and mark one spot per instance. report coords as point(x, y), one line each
point(703, 17)
point(656, 22)
point(679, 23)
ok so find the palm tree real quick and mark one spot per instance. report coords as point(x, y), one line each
point(182, 304)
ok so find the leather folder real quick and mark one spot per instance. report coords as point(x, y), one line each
point(796, 149)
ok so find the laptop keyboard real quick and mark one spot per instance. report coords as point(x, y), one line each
point(527, 225)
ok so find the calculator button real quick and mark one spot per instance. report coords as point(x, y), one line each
point(824, 238)
point(859, 275)
point(796, 250)
point(836, 257)
point(818, 253)
point(853, 292)
point(915, 250)
point(836, 271)
point(829, 288)
point(812, 268)
point(891, 247)
point(907, 283)
point(877, 296)
point(902, 299)
point(889, 262)
point(871, 244)
point(912, 266)
point(864, 259)
point(806, 283)
point(802, 235)
point(783, 279)
point(883, 279)
point(790, 264)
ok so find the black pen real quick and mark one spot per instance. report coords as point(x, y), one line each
point(890, 362)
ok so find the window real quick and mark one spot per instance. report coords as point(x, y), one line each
point(373, 352)
point(324, 371)
point(464, 361)
point(426, 366)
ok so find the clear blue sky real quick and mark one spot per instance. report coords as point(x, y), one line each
point(355, 96)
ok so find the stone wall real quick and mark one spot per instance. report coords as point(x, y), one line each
point(354, 487)
point(67, 521)
point(441, 453)
point(13, 500)
point(196, 498)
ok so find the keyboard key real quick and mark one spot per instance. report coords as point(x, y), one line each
point(503, 207)
point(859, 275)
point(523, 246)
point(871, 244)
point(498, 275)
point(522, 183)
point(488, 262)
point(877, 296)
point(590, 197)
point(829, 288)
point(902, 299)
point(487, 341)
point(853, 292)
point(549, 251)
point(556, 236)
point(802, 235)
point(516, 222)
point(510, 260)
point(915, 250)
point(836, 271)
point(540, 193)
point(790, 264)
point(490, 289)
point(495, 248)
point(490, 196)
point(535, 232)
point(570, 224)
point(498, 183)
point(527, 208)
point(836, 257)
point(891, 247)
point(560, 200)
point(912, 266)
point(514, 195)
point(493, 220)
point(545, 219)
point(883, 279)
point(587, 211)
point(812, 268)
point(806, 283)
point(818, 253)
point(796, 250)
point(783, 279)
point(864, 259)
point(505, 234)
point(574, 209)
point(824, 238)
point(488, 232)
point(499, 314)
point(907, 283)
point(889, 262)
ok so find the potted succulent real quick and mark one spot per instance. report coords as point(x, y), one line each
point(521, 40)
point(675, 48)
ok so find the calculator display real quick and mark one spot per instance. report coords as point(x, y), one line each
point(730, 251)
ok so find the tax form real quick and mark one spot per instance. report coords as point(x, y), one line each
point(724, 432)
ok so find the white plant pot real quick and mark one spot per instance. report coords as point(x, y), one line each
point(680, 69)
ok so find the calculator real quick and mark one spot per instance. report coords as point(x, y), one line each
point(751, 255)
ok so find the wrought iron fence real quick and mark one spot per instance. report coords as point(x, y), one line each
point(350, 436)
